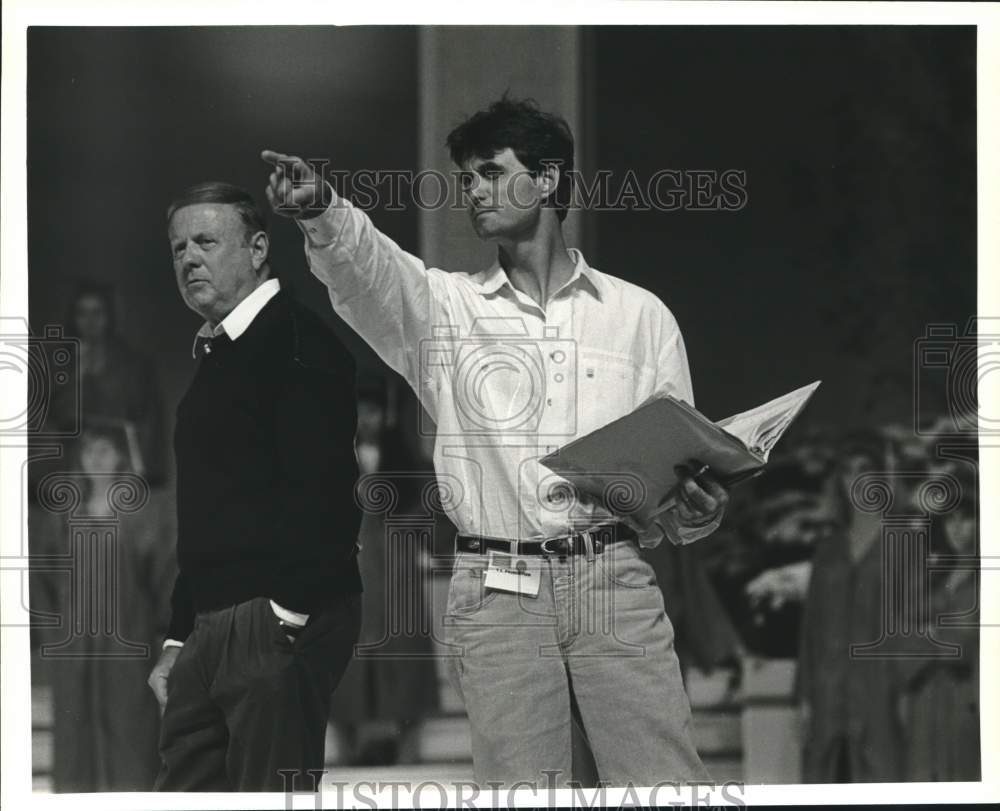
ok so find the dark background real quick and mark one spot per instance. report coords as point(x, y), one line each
point(858, 144)
point(122, 119)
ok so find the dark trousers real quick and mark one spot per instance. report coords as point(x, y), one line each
point(245, 704)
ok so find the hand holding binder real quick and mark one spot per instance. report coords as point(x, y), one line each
point(630, 464)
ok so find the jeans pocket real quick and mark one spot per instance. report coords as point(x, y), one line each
point(466, 591)
point(624, 566)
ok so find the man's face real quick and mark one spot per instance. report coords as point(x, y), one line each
point(502, 198)
point(216, 262)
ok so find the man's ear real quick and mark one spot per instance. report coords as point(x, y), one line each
point(259, 247)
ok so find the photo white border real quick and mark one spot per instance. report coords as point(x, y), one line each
point(15, 736)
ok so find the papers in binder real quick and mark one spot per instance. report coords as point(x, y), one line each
point(760, 428)
point(636, 455)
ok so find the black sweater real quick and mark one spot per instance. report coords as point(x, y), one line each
point(266, 469)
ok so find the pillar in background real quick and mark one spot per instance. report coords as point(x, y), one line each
point(461, 70)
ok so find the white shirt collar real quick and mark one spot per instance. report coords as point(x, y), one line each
point(242, 316)
point(495, 277)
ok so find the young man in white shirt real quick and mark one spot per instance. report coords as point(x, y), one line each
point(512, 362)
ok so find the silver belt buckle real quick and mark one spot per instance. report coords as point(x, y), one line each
point(545, 546)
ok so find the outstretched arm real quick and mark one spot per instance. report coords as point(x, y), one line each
point(385, 294)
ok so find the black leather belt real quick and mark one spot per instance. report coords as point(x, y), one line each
point(574, 544)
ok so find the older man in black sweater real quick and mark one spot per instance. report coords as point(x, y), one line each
point(266, 607)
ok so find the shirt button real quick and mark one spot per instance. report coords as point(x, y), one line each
point(548, 401)
point(558, 356)
point(558, 378)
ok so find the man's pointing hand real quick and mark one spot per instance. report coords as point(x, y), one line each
point(294, 189)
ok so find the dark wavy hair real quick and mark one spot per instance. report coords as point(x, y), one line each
point(537, 138)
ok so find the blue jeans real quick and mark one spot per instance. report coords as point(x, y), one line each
point(597, 633)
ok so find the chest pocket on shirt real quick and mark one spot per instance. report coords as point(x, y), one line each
point(608, 387)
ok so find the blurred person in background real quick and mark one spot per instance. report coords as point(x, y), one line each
point(118, 386)
point(939, 697)
point(106, 722)
point(762, 568)
point(791, 518)
point(851, 729)
point(388, 688)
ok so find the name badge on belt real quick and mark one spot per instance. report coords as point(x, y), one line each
point(520, 575)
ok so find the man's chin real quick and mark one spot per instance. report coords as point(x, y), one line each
point(483, 230)
point(201, 303)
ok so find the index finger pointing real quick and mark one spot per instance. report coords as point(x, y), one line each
point(276, 158)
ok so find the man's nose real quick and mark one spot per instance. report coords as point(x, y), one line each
point(191, 258)
point(480, 192)
point(477, 188)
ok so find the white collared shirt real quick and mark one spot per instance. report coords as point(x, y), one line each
point(241, 317)
point(505, 380)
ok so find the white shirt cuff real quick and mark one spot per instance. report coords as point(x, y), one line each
point(678, 533)
point(172, 643)
point(291, 617)
point(325, 229)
